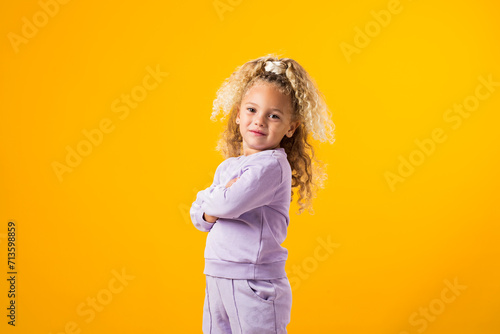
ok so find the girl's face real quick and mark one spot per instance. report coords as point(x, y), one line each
point(264, 117)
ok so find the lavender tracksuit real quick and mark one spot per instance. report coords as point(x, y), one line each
point(247, 288)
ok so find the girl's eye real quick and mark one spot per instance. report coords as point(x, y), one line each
point(273, 116)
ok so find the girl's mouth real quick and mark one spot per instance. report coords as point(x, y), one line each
point(257, 133)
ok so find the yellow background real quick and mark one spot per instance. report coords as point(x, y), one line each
point(125, 205)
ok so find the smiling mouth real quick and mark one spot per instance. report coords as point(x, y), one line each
point(257, 133)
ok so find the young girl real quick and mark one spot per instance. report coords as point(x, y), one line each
point(273, 106)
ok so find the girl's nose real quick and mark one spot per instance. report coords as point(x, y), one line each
point(259, 119)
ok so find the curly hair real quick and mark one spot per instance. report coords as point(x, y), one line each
point(308, 107)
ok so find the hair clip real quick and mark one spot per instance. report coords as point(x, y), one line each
point(277, 67)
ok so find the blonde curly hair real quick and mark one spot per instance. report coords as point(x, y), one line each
point(309, 108)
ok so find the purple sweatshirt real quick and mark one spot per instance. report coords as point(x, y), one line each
point(245, 242)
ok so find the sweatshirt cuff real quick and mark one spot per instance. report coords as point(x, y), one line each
point(198, 221)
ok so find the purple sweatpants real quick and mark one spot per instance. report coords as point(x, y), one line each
point(245, 306)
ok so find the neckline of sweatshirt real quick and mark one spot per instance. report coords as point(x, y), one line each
point(269, 151)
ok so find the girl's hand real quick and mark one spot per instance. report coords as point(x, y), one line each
point(208, 218)
point(230, 183)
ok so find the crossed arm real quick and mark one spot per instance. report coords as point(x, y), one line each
point(212, 219)
point(255, 187)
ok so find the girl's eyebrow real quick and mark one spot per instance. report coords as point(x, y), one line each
point(255, 104)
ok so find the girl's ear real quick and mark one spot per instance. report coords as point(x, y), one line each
point(238, 116)
point(293, 127)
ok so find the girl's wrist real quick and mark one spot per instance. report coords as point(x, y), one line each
point(209, 219)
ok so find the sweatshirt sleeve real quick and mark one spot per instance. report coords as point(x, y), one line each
point(196, 211)
point(256, 187)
